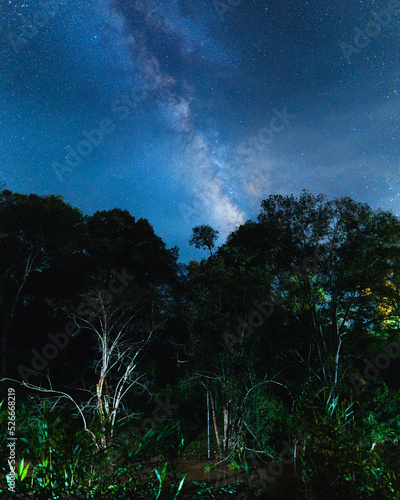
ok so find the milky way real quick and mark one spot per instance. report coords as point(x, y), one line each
point(190, 113)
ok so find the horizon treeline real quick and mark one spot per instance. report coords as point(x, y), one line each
point(296, 309)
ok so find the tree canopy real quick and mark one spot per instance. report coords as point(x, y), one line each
point(281, 324)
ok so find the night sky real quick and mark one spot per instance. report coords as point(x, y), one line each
point(192, 112)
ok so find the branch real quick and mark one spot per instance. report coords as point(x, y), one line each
point(61, 395)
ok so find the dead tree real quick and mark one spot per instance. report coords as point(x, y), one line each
point(122, 335)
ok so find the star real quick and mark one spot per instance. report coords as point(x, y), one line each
point(152, 101)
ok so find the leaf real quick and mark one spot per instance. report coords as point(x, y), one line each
point(22, 471)
point(180, 486)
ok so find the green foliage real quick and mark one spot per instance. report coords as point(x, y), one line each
point(233, 465)
point(58, 460)
point(209, 466)
point(323, 276)
point(207, 492)
point(334, 462)
point(379, 416)
point(268, 421)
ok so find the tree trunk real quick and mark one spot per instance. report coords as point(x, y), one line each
point(226, 428)
point(208, 426)
point(215, 425)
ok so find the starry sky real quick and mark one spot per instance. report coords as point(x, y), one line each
point(189, 112)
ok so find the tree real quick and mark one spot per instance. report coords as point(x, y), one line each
point(204, 237)
point(122, 334)
point(43, 242)
point(328, 253)
point(216, 294)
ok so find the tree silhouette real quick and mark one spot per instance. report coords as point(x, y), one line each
point(204, 237)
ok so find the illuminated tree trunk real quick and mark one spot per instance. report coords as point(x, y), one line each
point(226, 428)
point(214, 417)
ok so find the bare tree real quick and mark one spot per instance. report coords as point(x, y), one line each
point(122, 333)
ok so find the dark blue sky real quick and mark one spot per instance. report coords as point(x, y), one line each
point(192, 112)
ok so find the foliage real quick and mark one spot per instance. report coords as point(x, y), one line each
point(268, 421)
point(204, 237)
point(267, 329)
point(209, 466)
point(63, 462)
point(334, 462)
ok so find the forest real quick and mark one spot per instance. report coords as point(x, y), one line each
point(269, 369)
